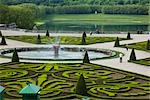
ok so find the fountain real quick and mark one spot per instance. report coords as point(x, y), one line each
point(55, 52)
point(56, 47)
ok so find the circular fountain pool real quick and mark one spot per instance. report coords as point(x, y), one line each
point(65, 53)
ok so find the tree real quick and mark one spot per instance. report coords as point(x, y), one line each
point(128, 36)
point(81, 86)
point(86, 58)
point(84, 38)
point(3, 41)
point(1, 33)
point(39, 39)
point(132, 55)
point(84, 34)
point(15, 57)
point(47, 33)
point(148, 45)
point(117, 44)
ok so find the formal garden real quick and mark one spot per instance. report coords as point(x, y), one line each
point(59, 81)
point(74, 50)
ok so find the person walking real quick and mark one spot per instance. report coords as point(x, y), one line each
point(120, 56)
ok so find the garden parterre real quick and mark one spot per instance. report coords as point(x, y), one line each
point(58, 81)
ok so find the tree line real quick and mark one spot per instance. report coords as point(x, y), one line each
point(25, 14)
point(75, 2)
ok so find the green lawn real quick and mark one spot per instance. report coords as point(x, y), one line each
point(99, 19)
point(63, 39)
point(58, 81)
point(140, 46)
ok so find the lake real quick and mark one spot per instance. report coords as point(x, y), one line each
point(64, 27)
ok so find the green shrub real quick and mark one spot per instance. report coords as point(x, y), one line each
point(128, 36)
point(3, 41)
point(84, 38)
point(132, 55)
point(148, 45)
point(15, 57)
point(117, 44)
point(47, 33)
point(81, 86)
point(1, 33)
point(39, 39)
point(86, 58)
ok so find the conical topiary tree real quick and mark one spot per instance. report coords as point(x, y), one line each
point(1, 33)
point(132, 55)
point(81, 86)
point(84, 38)
point(84, 34)
point(3, 41)
point(86, 58)
point(39, 39)
point(117, 44)
point(47, 33)
point(128, 36)
point(15, 57)
point(148, 45)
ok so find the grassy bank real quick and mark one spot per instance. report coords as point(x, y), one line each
point(99, 19)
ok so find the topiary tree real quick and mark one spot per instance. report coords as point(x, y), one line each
point(39, 39)
point(47, 33)
point(86, 58)
point(128, 36)
point(117, 44)
point(1, 33)
point(3, 41)
point(84, 38)
point(132, 55)
point(148, 45)
point(84, 34)
point(81, 86)
point(15, 57)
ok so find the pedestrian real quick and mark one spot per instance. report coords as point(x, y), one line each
point(120, 56)
point(126, 46)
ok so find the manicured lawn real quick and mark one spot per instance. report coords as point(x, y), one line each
point(58, 81)
point(63, 39)
point(140, 46)
point(99, 19)
point(145, 62)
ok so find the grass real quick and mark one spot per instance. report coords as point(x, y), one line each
point(140, 46)
point(60, 82)
point(98, 19)
point(64, 39)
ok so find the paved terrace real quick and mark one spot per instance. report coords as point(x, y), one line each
point(114, 63)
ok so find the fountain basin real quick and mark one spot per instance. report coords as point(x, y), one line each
point(65, 53)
